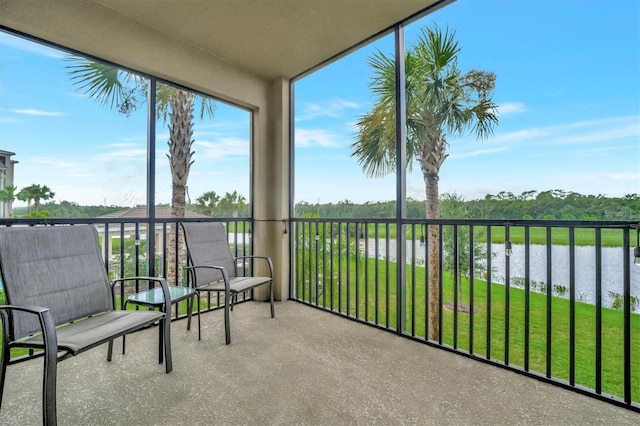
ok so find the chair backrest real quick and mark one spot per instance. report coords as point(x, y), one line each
point(208, 244)
point(56, 267)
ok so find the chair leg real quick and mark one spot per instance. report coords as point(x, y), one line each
point(189, 312)
point(271, 290)
point(199, 326)
point(165, 326)
point(110, 350)
point(161, 344)
point(227, 328)
point(3, 370)
point(49, 388)
point(50, 369)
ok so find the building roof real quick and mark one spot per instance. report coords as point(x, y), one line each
point(141, 212)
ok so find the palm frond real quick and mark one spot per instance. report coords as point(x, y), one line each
point(108, 85)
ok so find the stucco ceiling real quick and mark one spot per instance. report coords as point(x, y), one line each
point(268, 38)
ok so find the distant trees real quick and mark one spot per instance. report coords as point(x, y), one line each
point(232, 204)
point(32, 194)
point(550, 204)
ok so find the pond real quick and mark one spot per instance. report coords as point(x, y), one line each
point(585, 269)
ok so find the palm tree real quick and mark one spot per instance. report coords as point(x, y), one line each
point(41, 193)
point(8, 195)
point(28, 194)
point(126, 92)
point(440, 101)
point(207, 202)
point(233, 202)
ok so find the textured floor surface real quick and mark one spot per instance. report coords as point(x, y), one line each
point(304, 367)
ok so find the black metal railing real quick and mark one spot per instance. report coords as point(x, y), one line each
point(556, 300)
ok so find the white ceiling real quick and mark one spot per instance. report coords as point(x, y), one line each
point(268, 38)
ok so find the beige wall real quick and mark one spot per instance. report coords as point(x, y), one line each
point(85, 27)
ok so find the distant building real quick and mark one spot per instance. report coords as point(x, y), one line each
point(6, 179)
point(129, 230)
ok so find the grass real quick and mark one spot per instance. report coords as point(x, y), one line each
point(538, 235)
point(357, 293)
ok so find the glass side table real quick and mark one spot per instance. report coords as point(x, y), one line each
point(154, 298)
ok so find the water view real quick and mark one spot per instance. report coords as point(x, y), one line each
point(585, 272)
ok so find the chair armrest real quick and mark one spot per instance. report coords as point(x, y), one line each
point(222, 269)
point(163, 284)
point(47, 327)
point(267, 258)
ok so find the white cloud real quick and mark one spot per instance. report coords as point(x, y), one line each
point(511, 107)
point(222, 148)
point(125, 154)
point(306, 138)
point(334, 108)
point(38, 112)
point(478, 152)
point(57, 162)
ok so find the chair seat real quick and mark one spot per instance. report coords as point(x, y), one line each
point(236, 285)
point(96, 330)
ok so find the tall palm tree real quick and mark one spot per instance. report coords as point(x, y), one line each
point(440, 101)
point(8, 195)
point(126, 92)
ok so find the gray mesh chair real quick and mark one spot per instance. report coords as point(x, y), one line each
point(60, 301)
point(212, 267)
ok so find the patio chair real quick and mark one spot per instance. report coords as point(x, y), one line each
point(212, 267)
point(60, 301)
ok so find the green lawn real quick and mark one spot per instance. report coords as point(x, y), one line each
point(538, 235)
point(360, 295)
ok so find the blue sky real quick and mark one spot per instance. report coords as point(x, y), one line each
point(568, 87)
point(90, 154)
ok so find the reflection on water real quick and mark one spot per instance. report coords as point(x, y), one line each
point(585, 269)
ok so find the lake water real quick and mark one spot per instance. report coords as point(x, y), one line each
point(585, 271)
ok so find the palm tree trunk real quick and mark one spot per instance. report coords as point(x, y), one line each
point(433, 212)
point(180, 154)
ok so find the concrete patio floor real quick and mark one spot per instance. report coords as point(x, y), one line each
point(304, 367)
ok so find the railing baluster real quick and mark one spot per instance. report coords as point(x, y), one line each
point(472, 274)
point(598, 331)
point(527, 295)
point(572, 306)
point(388, 275)
point(549, 302)
point(489, 288)
point(377, 273)
point(366, 272)
point(413, 281)
point(507, 292)
point(440, 284)
point(626, 281)
point(456, 286)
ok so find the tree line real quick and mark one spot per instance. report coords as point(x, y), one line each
point(553, 204)
point(231, 204)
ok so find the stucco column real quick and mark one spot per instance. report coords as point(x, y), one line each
point(271, 186)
